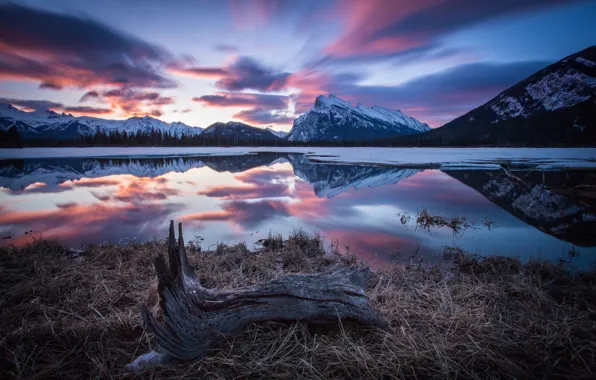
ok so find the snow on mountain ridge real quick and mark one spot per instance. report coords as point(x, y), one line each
point(48, 121)
point(333, 118)
point(280, 134)
point(562, 85)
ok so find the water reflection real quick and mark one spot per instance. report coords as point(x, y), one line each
point(235, 198)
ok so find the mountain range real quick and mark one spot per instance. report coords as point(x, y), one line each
point(234, 132)
point(39, 125)
point(555, 106)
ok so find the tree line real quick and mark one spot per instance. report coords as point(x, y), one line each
point(12, 138)
point(155, 137)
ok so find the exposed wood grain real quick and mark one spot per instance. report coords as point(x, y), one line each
point(194, 317)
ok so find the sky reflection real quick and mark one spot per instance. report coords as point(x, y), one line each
point(229, 199)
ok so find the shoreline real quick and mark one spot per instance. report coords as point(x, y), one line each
point(78, 315)
point(450, 158)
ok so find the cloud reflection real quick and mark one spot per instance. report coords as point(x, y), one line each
point(357, 206)
point(245, 214)
point(77, 224)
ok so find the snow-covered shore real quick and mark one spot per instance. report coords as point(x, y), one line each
point(541, 158)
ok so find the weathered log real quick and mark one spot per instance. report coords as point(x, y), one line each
point(194, 318)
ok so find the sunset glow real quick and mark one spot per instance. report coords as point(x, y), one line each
point(264, 62)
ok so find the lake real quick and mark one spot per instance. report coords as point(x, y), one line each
point(368, 210)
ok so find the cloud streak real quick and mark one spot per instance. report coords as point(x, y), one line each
point(374, 30)
point(239, 99)
point(243, 73)
point(61, 50)
point(260, 116)
point(435, 98)
point(42, 105)
point(136, 102)
point(242, 213)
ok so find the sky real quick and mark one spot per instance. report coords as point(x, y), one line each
point(263, 62)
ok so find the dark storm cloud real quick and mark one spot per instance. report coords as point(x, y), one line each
point(238, 99)
point(248, 74)
point(87, 110)
point(132, 101)
point(263, 190)
point(245, 214)
point(262, 117)
point(198, 72)
point(38, 105)
point(244, 73)
point(50, 86)
point(92, 223)
point(452, 15)
point(89, 95)
point(42, 105)
point(65, 50)
point(408, 31)
point(264, 108)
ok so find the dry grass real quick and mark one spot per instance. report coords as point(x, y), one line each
point(65, 317)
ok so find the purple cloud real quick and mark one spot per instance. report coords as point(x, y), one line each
point(263, 117)
point(89, 95)
point(239, 99)
point(50, 86)
point(42, 105)
point(246, 73)
point(64, 50)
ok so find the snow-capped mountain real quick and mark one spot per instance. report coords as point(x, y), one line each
point(234, 132)
point(49, 124)
point(280, 134)
point(555, 106)
point(334, 119)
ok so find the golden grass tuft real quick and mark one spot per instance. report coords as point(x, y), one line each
point(78, 317)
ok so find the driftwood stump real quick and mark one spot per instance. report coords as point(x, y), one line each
point(194, 318)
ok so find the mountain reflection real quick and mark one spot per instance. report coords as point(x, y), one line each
point(232, 198)
point(547, 200)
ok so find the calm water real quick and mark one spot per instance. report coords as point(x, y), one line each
point(243, 198)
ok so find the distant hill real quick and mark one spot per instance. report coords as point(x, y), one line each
point(333, 119)
point(279, 134)
point(41, 125)
point(553, 107)
point(234, 133)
